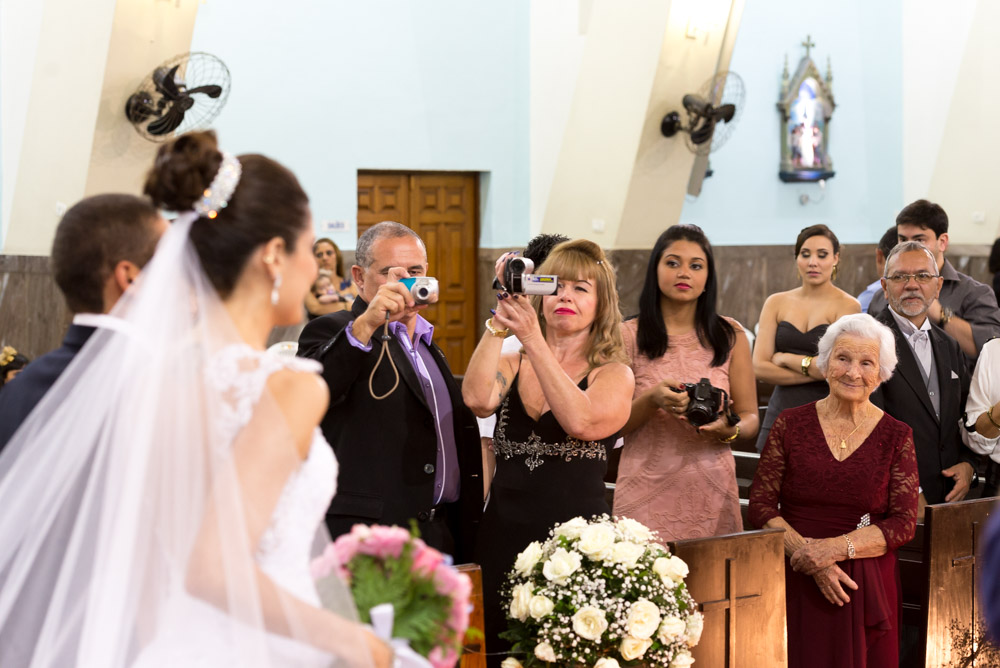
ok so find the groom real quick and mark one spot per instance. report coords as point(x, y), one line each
point(414, 452)
point(101, 244)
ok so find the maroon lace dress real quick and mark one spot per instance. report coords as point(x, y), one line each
point(799, 479)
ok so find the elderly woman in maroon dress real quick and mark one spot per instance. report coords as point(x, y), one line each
point(840, 477)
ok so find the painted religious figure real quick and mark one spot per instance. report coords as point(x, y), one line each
point(806, 106)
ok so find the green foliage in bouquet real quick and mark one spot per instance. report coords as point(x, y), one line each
point(600, 593)
point(419, 610)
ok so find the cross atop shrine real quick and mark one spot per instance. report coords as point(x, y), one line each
point(808, 44)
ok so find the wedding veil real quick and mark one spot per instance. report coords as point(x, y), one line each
point(126, 529)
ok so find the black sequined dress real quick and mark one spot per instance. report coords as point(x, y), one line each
point(542, 477)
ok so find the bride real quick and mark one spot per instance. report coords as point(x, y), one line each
point(161, 505)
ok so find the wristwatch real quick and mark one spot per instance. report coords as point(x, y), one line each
point(946, 315)
point(806, 361)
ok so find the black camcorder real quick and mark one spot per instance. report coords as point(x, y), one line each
point(518, 279)
point(706, 403)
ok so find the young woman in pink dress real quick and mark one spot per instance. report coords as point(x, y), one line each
point(679, 479)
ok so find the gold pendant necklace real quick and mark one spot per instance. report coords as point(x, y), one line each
point(843, 441)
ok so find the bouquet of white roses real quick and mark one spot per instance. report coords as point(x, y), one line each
point(597, 593)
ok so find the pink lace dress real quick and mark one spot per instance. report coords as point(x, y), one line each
point(799, 479)
point(670, 478)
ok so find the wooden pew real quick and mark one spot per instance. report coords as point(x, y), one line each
point(739, 583)
point(952, 631)
point(474, 653)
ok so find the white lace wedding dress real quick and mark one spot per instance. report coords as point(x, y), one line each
point(193, 633)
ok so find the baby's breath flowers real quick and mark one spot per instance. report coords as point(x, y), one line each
point(599, 592)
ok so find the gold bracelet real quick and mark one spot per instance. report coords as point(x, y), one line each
point(731, 438)
point(850, 547)
point(500, 333)
point(806, 361)
point(989, 416)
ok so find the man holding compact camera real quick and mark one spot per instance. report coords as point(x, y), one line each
point(406, 444)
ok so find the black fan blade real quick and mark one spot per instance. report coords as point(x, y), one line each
point(212, 91)
point(166, 82)
point(170, 121)
point(724, 112)
point(703, 132)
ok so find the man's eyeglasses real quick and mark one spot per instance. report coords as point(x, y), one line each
point(923, 278)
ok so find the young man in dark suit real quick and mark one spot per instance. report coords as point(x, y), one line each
point(407, 446)
point(931, 382)
point(101, 244)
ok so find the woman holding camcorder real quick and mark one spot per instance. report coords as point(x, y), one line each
point(695, 394)
point(560, 402)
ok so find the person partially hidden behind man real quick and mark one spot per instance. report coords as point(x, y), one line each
point(966, 309)
point(101, 244)
point(407, 446)
point(931, 383)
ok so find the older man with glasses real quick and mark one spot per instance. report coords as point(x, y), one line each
point(931, 383)
point(965, 308)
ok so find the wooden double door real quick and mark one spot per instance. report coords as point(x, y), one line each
point(442, 207)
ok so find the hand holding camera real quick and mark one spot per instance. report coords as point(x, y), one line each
point(393, 301)
point(515, 313)
point(705, 406)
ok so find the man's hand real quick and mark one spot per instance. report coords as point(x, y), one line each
point(392, 302)
point(962, 473)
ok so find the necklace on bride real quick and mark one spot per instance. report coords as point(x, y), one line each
point(844, 439)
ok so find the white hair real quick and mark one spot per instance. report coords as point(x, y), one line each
point(863, 326)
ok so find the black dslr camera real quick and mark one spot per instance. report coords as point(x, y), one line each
point(706, 403)
point(518, 279)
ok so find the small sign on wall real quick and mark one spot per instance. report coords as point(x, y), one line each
point(333, 226)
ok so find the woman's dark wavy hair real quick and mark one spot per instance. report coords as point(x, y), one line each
point(713, 330)
point(268, 202)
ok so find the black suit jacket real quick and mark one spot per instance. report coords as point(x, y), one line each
point(19, 397)
point(387, 449)
point(904, 397)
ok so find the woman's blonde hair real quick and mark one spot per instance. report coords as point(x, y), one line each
point(584, 260)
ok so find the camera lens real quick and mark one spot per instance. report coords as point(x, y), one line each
point(423, 293)
point(699, 414)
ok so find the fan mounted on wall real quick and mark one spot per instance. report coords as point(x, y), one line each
point(185, 93)
point(712, 113)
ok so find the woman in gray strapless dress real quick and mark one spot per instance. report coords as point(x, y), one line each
point(792, 322)
point(788, 339)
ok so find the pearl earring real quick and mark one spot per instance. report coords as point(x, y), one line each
point(274, 290)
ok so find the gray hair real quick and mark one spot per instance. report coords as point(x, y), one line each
point(908, 247)
point(387, 229)
point(863, 326)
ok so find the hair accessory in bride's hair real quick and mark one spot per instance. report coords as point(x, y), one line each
point(222, 187)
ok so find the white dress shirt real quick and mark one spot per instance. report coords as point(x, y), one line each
point(984, 391)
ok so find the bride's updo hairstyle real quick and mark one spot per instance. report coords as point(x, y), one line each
point(268, 202)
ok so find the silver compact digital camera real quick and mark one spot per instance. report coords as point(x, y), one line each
point(424, 289)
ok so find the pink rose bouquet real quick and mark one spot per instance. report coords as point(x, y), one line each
point(389, 565)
